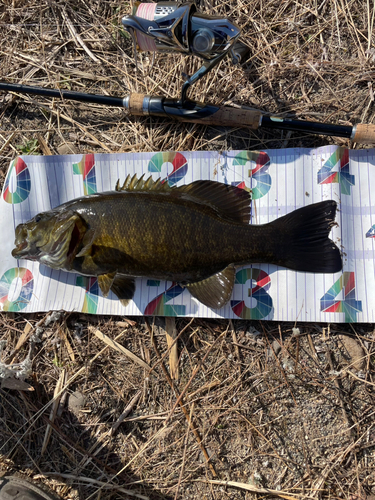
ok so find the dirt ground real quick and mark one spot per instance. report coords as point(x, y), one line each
point(259, 409)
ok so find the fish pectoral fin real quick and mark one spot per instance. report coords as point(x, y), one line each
point(124, 288)
point(105, 282)
point(215, 291)
point(87, 242)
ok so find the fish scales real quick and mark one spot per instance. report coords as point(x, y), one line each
point(164, 238)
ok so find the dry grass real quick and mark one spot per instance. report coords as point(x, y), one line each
point(270, 407)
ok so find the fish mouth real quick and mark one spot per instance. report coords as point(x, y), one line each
point(23, 250)
point(20, 246)
point(21, 243)
point(20, 250)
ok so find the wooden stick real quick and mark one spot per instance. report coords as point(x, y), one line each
point(171, 334)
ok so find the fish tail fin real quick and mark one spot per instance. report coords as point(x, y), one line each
point(305, 233)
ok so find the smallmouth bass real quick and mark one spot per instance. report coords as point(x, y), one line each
point(196, 235)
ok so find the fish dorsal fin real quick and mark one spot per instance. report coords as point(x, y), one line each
point(215, 291)
point(229, 201)
point(135, 184)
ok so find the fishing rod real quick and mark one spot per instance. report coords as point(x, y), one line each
point(179, 27)
point(205, 114)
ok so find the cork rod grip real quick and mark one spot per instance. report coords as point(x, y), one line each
point(136, 104)
point(364, 134)
point(231, 117)
point(222, 115)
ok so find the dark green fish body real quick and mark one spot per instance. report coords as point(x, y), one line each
point(181, 240)
point(195, 235)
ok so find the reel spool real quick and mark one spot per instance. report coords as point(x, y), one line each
point(179, 27)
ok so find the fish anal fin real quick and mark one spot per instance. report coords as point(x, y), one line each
point(124, 288)
point(87, 242)
point(105, 282)
point(215, 291)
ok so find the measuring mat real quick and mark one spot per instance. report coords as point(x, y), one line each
point(280, 181)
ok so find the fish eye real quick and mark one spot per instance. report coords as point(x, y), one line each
point(38, 218)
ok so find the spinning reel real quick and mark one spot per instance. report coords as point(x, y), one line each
point(179, 27)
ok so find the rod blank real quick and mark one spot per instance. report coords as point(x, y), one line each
point(63, 94)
